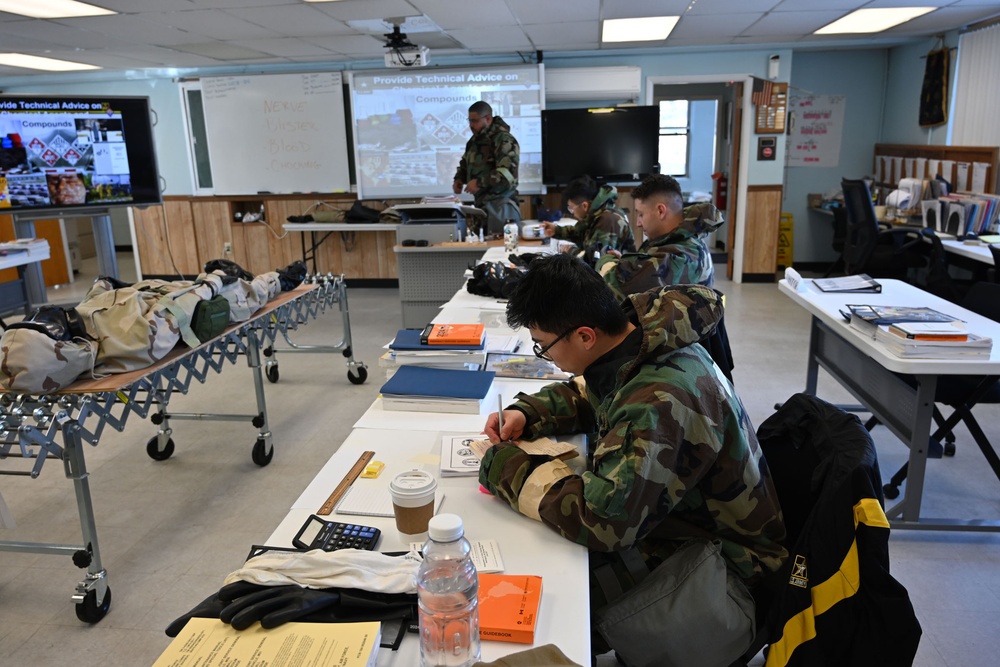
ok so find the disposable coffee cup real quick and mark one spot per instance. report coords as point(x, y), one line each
point(413, 501)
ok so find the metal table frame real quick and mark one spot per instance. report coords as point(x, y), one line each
point(905, 408)
point(55, 426)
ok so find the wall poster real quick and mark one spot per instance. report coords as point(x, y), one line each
point(815, 130)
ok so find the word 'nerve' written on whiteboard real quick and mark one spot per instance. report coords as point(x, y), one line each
point(815, 131)
point(289, 133)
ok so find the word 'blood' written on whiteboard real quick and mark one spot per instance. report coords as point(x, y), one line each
point(110, 158)
point(814, 140)
point(277, 133)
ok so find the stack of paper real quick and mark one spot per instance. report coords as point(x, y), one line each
point(868, 318)
point(457, 457)
point(423, 389)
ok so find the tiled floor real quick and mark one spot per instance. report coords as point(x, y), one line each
point(171, 530)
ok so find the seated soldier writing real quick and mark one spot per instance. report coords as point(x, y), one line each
point(673, 455)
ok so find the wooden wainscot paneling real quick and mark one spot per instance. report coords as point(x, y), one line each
point(285, 250)
point(166, 237)
point(760, 239)
point(212, 226)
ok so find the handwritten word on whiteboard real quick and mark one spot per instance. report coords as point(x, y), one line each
point(814, 140)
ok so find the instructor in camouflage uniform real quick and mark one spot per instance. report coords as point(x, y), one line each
point(675, 455)
point(676, 250)
point(601, 225)
point(488, 170)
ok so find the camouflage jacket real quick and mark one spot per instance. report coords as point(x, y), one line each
point(680, 257)
point(491, 157)
point(604, 225)
point(673, 439)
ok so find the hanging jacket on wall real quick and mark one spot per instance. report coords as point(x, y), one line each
point(838, 605)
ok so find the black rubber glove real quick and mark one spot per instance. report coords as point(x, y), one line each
point(276, 605)
point(213, 605)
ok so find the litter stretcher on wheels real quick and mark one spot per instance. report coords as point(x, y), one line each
point(56, 425)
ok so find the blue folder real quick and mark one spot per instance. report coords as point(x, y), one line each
point(409, 339)
point(438, 382)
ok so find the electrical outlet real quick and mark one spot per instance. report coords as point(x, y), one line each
point(227, 248)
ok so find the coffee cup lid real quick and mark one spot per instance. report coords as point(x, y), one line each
point(412, 483)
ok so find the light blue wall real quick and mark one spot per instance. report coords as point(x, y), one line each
point(860, 75)
point(901, 123)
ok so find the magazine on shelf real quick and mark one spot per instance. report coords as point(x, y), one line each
point(861, 282)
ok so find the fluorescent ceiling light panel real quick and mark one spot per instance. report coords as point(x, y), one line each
point(52, 9)
point(37, 62)
point(873, 20)
point(645, 29)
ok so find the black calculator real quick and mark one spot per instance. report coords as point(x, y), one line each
point(318, 533)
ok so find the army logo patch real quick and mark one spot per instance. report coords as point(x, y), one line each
point(800, 575)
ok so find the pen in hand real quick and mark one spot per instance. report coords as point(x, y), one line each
point(500, 416)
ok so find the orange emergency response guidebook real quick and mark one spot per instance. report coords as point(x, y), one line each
point(508, 607)
point(453, 334)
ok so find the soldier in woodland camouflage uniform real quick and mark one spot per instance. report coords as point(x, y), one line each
point(676, 249)
point(601, 225)
point(488, 169)
point(675, 454)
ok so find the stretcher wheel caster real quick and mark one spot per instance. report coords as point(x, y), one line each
point(258, 454)
point(362, 375)
point(153, 449)
point(891, 491)
point(268, 351)
point(949, 448)
point(82, 558)
point(89, 611)
point(272, 373)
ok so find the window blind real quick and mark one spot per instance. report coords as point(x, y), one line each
point(977, 90)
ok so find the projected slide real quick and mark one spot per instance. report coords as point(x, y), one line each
point(410, 127)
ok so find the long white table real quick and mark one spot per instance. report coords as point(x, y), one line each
point(874, 375)
point(406, 440)
point(977, 252)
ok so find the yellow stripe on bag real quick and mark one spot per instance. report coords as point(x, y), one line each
point(843, 584)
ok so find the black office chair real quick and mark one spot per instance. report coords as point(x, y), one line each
point(878, 250)
point(995, 251)
point(839, 237)
point(961, 393)
point(939, 281)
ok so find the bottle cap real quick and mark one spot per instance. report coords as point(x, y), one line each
point(445, 528)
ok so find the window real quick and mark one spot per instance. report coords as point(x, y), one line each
point(194, 113)
point(675, 128)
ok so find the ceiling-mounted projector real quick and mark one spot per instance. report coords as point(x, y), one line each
point(400, 52)
point(409, 56)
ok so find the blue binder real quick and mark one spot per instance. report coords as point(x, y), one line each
point(438, 382)
point(409, 339)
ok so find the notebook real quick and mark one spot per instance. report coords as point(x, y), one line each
point(374, 501)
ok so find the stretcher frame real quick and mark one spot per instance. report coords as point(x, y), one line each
point(36, 423)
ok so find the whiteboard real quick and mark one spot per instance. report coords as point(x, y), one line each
point(276, 133)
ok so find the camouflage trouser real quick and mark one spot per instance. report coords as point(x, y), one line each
point(498, 212)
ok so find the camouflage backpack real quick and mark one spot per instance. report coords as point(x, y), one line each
point(44, 353)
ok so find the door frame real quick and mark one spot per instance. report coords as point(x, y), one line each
point(741, 158)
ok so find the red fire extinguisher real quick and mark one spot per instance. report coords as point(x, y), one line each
point(721, 190)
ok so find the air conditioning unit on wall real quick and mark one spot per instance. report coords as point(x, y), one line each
point(593, 83)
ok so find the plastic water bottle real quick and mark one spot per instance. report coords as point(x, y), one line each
point(510, 236)
point(448, 596)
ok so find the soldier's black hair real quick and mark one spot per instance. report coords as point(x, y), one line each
point(582, 188)
point(661, 184)
point(561, 292)
point(481, 108)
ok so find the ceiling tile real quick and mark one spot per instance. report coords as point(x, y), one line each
point(352, 45)
point(492, 37)
point(368, 9)
point(554, 11)
point(726, 8)
point(293, 20)
point(627, 9)
point(708, 26)
point(844, 5)
point(227, 4)
point(467, 14)
point(289, 47)
point(51, 32)
point(132, 29)
point(564, 33)
point(138, 6)
point(222, 51)
point(211, 23)
point(791, 23)
point(953, 16)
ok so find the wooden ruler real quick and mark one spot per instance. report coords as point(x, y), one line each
point(345, 483)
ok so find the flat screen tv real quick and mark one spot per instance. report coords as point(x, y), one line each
point(614, 145)
point(63, 153)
